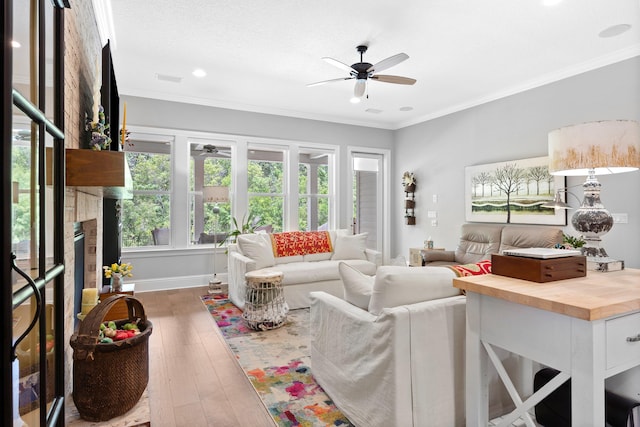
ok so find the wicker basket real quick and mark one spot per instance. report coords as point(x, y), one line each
point(108, 379)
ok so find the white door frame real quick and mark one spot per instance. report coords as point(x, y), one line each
point(384, 193)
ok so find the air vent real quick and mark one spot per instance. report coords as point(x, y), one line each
point(373, 111)
point(167, 78)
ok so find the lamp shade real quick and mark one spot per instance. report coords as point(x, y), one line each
point(215, 194)
point(604, 147)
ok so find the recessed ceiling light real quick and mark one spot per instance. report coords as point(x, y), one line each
point(15, 44)
point(355, 100)
point(406, 108)
point(614, 30)
point(199, 72)
point(373, 111)
point(550, 3)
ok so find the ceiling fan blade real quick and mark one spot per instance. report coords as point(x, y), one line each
point(338, 64)
point(393, 79)
point(330, 81)
point(388, 63)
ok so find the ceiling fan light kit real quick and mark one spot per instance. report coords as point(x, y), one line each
point(362, 71)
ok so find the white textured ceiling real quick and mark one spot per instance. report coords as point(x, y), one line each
point(259, 55)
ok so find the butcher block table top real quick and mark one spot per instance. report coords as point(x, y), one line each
point(597, 296)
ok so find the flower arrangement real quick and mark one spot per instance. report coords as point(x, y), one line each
point(123, 269)
point(100, 139)
point(408, 178)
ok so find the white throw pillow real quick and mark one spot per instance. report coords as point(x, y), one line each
point(258, 248)
point(350, 246)
point(357, 286)
point(395, 286)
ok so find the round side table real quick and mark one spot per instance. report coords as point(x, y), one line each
point(265, 307)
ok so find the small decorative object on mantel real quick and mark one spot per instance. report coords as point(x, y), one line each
point(99, 139)
point(409, 184)
point(117, 273)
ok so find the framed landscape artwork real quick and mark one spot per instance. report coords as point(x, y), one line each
point(513, 192)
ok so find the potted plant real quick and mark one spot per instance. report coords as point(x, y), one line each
point(247, 226)
point(409, 182)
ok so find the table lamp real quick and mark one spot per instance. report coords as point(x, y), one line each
point(592, 149)
point(215, 194)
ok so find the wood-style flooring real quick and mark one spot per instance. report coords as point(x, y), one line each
point(194, 379)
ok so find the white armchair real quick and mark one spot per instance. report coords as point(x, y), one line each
point(401, 362)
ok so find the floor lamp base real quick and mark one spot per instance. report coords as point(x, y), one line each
point(215, 286)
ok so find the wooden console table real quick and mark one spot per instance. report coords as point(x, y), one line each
point(588, 328)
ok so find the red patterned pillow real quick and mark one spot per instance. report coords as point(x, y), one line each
point(482, 267)
point(293, 243)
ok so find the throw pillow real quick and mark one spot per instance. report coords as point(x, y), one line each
point(395, 286)
point(357, 286)
point(350, 246)
point(258, 248)
point(482, 267)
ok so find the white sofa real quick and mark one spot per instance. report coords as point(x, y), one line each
point(400, 360)
point(301, 273)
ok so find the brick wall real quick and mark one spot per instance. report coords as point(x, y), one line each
point(82, 83)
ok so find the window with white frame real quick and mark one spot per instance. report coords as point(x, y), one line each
point(266, 187)
point(313, 189)
point(210, 179)
point(146, 219)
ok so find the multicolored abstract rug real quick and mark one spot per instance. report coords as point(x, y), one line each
point(278, 363)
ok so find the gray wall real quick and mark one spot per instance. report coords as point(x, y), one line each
point(511, 128)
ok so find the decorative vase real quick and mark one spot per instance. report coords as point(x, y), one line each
point(411, 220)
point(411, 188)
point(409, 204)
point(116, 282)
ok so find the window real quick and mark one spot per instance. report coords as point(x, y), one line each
point(313, 189)
point(210, 169)
point(146, 219)
point(266, 178)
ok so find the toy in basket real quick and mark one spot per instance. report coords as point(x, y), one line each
point(109, 376)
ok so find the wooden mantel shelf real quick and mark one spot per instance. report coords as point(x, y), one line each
point(107, 169)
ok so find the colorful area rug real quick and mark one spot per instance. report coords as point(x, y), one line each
point(278, 363)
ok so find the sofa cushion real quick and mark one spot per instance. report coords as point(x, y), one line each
point(258, 248)
point(357, 286)
point(350, 246)
point(288, 259)
point(297, 273)
point(478, 242)
point(397, 285)
point(522, 236)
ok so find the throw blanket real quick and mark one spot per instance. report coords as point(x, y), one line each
point(293, 243)
point(482, 267)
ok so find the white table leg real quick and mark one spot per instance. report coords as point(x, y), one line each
point(477, 387)
point(587, 373)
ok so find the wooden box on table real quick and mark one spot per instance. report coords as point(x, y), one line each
point(539, 270)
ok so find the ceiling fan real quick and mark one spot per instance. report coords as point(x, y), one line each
point(212, 150)
point(362, 71)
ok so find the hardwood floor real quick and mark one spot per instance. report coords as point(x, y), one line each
point(194, 379)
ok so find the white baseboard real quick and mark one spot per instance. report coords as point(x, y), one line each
point(176, 282)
